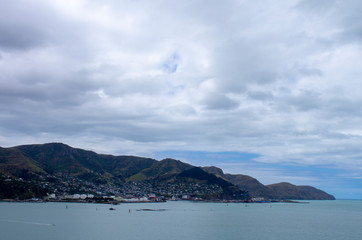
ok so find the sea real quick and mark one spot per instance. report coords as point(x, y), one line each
point(176, 220)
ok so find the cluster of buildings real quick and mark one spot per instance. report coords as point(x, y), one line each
point(75, 189)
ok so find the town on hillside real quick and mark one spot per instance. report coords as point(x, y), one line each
point(77, 190)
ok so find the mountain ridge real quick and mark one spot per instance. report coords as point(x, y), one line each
point(36, 160)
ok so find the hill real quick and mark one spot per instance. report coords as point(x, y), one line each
point(280, 191)
point(72, 170)
point(63, 165)
point(286, 190)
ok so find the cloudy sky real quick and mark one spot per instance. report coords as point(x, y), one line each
point(270, 89)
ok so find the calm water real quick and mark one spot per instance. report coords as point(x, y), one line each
point(340, 219)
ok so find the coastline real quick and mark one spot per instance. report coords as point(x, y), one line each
point(122, 202)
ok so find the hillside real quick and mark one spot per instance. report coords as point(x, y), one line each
point(72, 170)
point(62, 160)
point(274, 191)
point(286, 190)
point(159, 168)
point(58, 162)
point(19, 189)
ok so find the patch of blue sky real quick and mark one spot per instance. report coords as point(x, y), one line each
point(329, 178)
point(344, 188)
point(171, 64)
point(336, 181)
point(203, 158)
point(305, 168)
point(175, 89)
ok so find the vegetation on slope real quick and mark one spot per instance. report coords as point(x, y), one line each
point(31, 162)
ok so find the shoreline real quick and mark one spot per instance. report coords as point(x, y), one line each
point(122, 202)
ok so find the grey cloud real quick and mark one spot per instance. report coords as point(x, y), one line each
point(343, 17)
point(19, 37)
point(241, 64)
point(344, 109)
point(47, 88)
point(317, 7)
point(181, 109)
point(24, 25)
point(260, 95)
point(308, 71)
point(136, 86)
point(305, 101)
point(217, 101)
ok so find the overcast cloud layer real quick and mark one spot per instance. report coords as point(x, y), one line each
point(279, 79)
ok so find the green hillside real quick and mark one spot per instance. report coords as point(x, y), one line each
point(53, 161)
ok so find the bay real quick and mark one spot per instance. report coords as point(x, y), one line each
point(319, 220)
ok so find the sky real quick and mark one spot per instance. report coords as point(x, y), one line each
point(270, 89)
